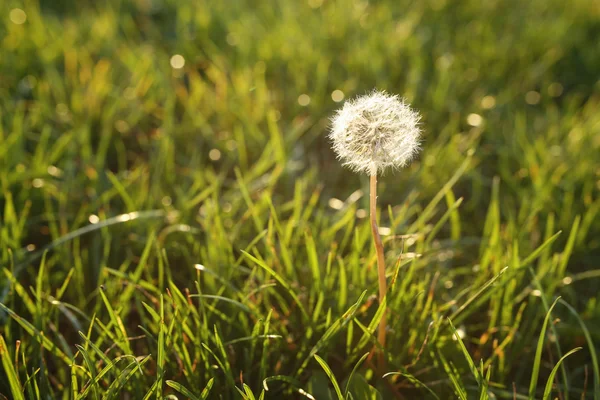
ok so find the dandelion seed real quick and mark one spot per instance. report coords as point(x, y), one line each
point(375, 132)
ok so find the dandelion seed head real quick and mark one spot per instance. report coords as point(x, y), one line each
point(374, 132)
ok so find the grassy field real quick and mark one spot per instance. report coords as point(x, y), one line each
point(174, 224)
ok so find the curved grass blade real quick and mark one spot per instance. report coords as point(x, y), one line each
point(538, 352)
point(185, 391)
point(414, 380)
point(329, 373)
point(360, 361)
point(592, 349)
point(281, 281)
point(32, 331)
point(548, 390)
point(332, 330)
point(126, 374)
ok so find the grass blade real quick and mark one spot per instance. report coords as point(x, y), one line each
point(329, 373)
point(538, 352)
point(11, 373)
point(549, 383)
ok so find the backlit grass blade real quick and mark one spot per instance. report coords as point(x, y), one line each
point(356, 366)
point(467, 356)
point(413, 380)
point(329, 373)
point(125, 375)
point(11, 374)
point(183, 390)
point(550, 382)
point(591, 348)
point(123, 341)
point(160, 359)
point(281, 281)
point(31, 330)
point(538, 352)
point(333, 329)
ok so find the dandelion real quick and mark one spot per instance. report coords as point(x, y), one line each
point(375, 132)
point(369, 135)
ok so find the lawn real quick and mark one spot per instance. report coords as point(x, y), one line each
point(174, 222)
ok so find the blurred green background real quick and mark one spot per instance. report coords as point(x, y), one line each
point(214, 114)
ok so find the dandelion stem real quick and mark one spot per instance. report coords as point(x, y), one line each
point(380, 260)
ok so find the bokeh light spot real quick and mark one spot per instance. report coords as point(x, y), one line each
point(214, 154)
point(336, 204)
point(177, 61)
point(474, 119)
point(488, 102)
point(304, 100)
point(315, 3)
point(337, 95)
point(532, 97)
point(17, 16)
point(555, 89)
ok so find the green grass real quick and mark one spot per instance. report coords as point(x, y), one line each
point(188, 232)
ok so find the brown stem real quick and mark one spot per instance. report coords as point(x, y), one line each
point(380, 260)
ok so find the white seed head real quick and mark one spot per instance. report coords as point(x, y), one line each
point(374, 132)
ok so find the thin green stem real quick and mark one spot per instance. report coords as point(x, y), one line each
point(380, 258)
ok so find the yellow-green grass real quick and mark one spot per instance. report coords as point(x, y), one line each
point(179, 226)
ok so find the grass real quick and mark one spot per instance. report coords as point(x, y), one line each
point(186, 232)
